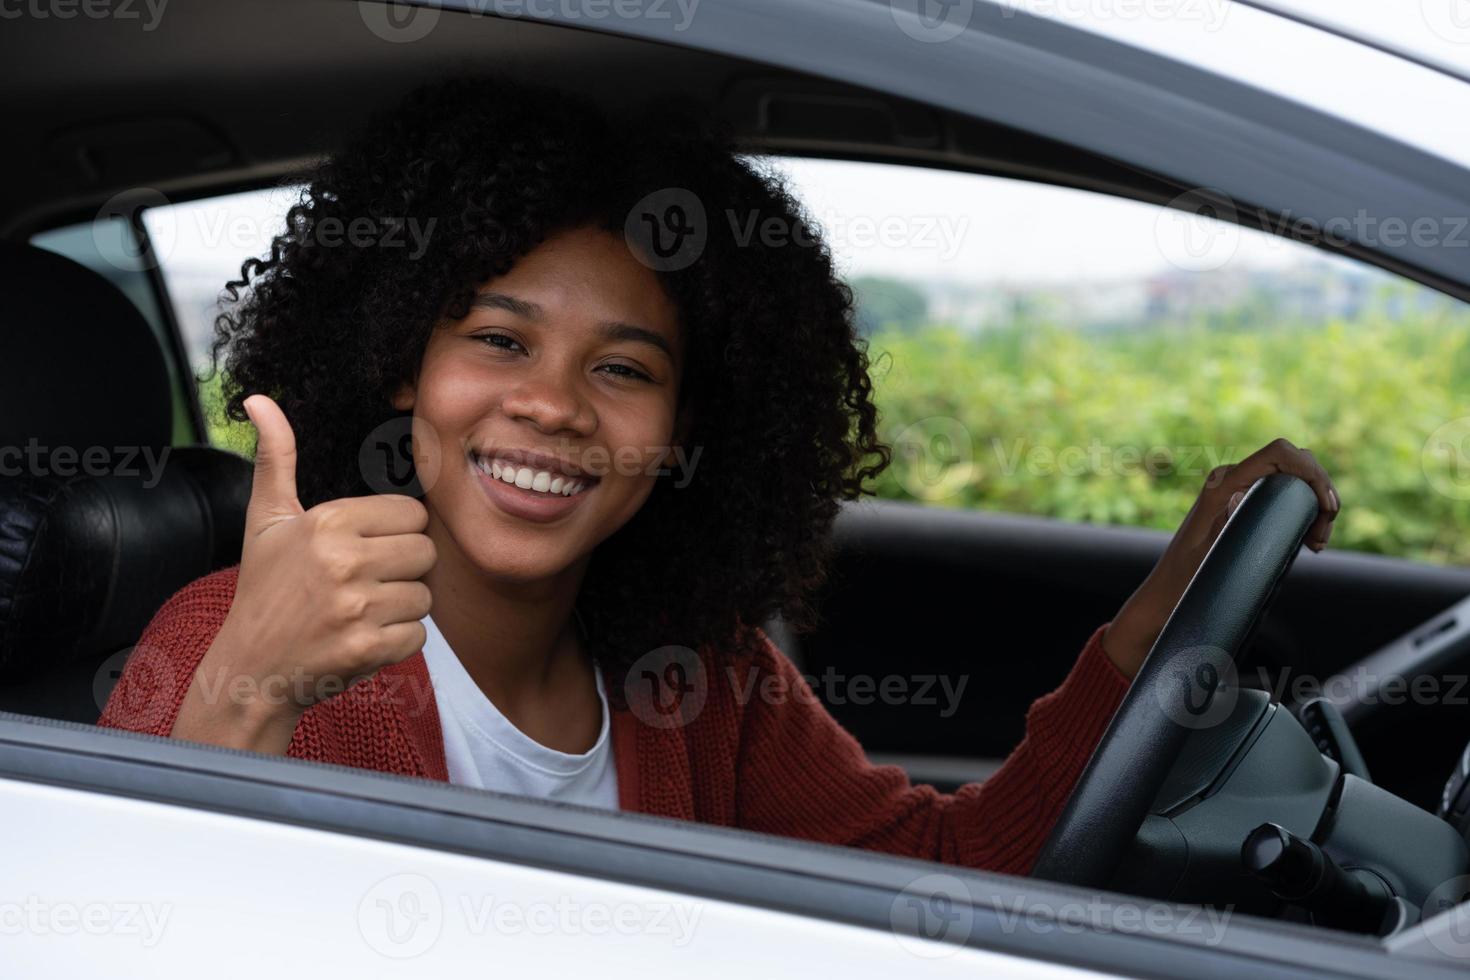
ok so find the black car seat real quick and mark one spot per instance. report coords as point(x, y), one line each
point(101, 519)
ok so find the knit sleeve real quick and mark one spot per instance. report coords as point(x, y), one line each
point(800, 774)
point(157, 675)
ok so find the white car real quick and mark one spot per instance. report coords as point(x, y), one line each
point(129, 855)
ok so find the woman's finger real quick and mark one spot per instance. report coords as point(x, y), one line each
point(1280, 456)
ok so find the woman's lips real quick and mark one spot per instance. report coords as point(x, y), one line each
point(528, 505)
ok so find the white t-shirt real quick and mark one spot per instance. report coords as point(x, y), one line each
point(484, 750)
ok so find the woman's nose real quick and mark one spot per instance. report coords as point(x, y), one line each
point(551, 405)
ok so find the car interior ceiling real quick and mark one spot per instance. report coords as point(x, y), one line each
point(262, 105)
point(261, 100)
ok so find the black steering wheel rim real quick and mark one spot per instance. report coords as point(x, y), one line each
point(1205, 634)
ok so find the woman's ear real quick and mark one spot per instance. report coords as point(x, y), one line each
point(403, 399)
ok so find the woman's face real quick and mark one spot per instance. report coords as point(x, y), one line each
point(552, 405)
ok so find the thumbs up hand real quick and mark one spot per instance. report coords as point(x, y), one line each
point(325, 596)
point(273, 490)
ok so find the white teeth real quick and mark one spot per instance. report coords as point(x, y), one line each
point(541, 481)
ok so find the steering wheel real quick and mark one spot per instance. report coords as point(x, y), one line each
point(1193, 655)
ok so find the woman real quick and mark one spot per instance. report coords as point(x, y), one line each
point(632, 425)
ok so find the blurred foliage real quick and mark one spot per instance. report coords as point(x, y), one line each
point(224, 432)
point(1123, 426)
point(891, 304)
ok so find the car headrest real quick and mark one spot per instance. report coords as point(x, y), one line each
point(81, 370)
point(86, 560)
point(101, 519)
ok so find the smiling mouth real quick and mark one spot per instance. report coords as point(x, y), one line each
point(531, 479)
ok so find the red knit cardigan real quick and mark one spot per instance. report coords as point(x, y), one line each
point(761, 753)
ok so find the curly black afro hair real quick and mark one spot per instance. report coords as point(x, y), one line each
point(774, 372)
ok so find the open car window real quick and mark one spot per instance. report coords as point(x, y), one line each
point(1058, 370)
point(1061, 353)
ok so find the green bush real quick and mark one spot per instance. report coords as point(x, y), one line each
point(1123, 426)
point(224, 432)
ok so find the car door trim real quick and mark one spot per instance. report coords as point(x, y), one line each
point(832, 883)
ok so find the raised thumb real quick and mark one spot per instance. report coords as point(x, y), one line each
point(273, 489)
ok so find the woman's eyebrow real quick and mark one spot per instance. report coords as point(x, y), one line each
point(614, 330)
point(500, 301)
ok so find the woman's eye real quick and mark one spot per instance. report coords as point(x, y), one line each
point(500, 341)
point(624, 371)
point(505, 342)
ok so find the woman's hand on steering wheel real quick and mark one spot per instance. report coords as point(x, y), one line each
point(1133, 631)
